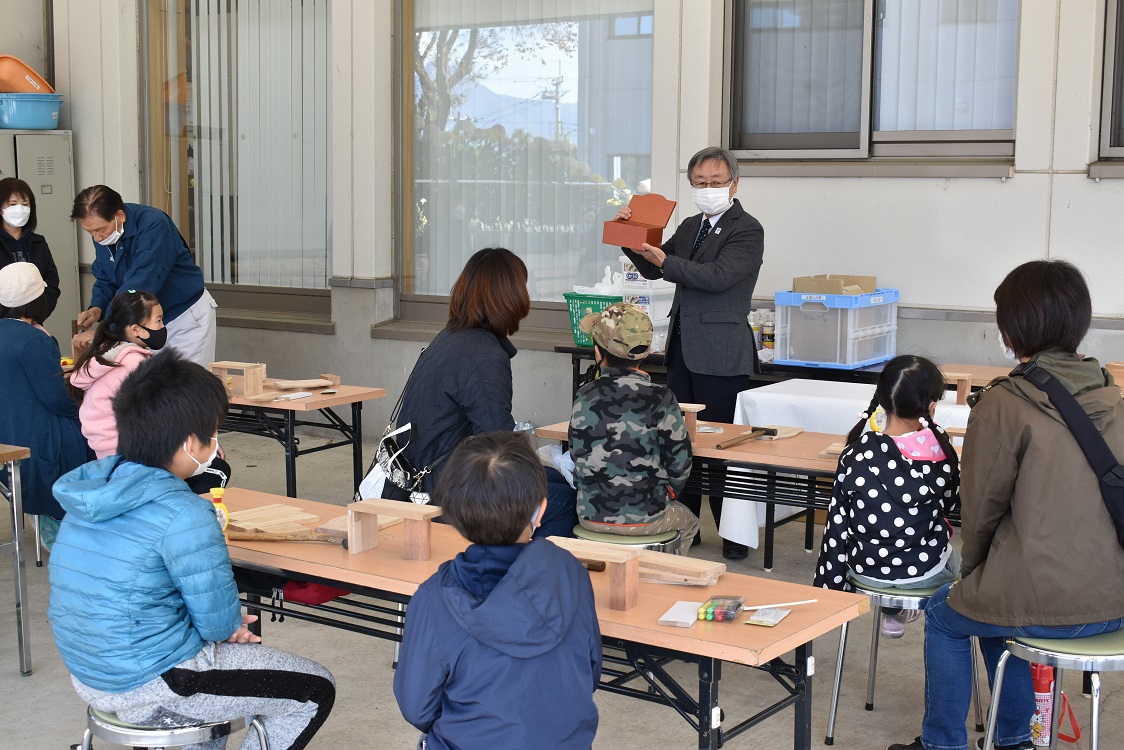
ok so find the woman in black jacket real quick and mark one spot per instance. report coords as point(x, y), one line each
point(18, 241)
point(461, 384)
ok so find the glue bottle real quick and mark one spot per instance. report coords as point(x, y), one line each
point(221, 512)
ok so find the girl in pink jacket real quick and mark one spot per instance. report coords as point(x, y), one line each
point(132, 330)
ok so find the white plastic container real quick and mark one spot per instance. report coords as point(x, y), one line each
point(841, 331)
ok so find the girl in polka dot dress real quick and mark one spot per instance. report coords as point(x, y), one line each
point(885, 525)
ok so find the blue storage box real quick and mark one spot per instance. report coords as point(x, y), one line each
point(29, 111)
point(841, 331)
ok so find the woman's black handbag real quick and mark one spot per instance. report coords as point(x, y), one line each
point(1100, 457)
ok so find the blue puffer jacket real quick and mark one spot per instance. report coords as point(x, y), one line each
point(140, 575)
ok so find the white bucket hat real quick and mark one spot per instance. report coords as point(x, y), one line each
point(20, 283)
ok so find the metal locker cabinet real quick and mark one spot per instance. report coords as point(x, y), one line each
point(44, 160)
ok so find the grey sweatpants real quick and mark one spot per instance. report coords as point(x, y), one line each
point(290, 694)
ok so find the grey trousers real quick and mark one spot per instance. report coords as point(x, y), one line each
point(290, 694)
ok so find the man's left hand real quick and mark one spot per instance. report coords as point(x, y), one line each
point(652, 254)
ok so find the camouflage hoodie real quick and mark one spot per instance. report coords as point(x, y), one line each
point(630, 446)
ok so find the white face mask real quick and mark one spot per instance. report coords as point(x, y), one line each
point(712, 201)
point(17, 215)
point(115, 236)
point(202, 467)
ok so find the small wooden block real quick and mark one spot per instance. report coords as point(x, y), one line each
point(624, 584)
point(362, 530)
point(396, 508)
point(333, 379)
point(253, 377)
point(955, 431)
point(833, 450)
point(623, 562)
point(963, 382)
point(416, 535)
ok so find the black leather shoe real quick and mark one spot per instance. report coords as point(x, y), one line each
point(915, 745)
point(734, 551)
point(697, 540)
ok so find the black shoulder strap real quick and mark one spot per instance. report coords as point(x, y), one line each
point(1096, 450)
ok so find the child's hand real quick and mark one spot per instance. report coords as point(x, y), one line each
point(243, 634)
point(623, 214)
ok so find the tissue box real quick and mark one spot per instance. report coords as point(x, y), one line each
point(650, 214)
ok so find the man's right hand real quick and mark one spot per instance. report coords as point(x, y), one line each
point(87, 318)
point(81, 340)
point(624, 214)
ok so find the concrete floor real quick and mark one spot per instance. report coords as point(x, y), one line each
point(42, 711)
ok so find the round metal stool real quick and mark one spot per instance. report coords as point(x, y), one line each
point(1095, 654)
point(665, 542)
point(893, 598)
point(106, 726)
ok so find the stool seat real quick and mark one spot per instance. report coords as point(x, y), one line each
point(922, 593)
point(1097, 653)
point(597, 536)
point(108, 726)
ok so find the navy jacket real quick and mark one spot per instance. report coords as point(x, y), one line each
point(32, 248)
point(713, 292)
point(460, 386)
point(152, 257)
point(37, 413)
point(502, 649)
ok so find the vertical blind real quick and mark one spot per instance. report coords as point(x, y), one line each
point(523, 114)
point(945, 64)
point(804, 61)
point(259, 158)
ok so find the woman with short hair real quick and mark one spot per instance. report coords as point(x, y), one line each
point(461, 384)
point(19, 243)
point(1040, 557)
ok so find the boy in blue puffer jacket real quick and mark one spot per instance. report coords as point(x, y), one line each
point(501, 646)
point(144, 607)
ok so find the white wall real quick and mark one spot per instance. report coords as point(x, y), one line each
point(97, 70)
point(27, 38)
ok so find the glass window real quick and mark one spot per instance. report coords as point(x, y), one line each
point(524, 135)
point(939, 71)
point(1112, 109)
point(238, 132)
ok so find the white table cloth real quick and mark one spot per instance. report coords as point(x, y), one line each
point(817, 406)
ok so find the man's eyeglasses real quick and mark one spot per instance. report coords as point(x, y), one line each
point(712, 184)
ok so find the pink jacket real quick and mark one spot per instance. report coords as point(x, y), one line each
point(100, 383)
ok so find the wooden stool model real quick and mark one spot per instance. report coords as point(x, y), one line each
point(417, 521)
point(691, 416)
point(623, 562)
point(253, 377)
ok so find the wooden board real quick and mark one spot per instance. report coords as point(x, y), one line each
point(337, 527)
point(833, 450)
point(298, 385)
point(414, 511)
point(276, 517)
point(782, 432)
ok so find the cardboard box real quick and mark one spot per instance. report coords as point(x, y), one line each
point(826, 283)
point(650, 214)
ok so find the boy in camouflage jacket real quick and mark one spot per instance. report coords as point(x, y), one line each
point(630, 445)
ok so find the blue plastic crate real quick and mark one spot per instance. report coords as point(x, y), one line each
point(836, 331)
point(29, 111)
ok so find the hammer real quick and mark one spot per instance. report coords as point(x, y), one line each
point(753, 432)
point(279, 536)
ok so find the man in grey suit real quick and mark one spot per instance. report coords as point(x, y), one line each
point(713, 259)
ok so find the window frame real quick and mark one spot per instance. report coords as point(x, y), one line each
point(960, 145)
point(1112, 19)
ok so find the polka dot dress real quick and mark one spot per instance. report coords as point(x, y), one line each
point(885, 520)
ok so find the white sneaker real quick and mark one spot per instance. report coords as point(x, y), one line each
point(893, 626)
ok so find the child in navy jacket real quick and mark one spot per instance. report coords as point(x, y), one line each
point(885, 525)
point(501, 646)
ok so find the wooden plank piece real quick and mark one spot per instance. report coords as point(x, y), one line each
point(362, 530)
point(337, 527)
point(395, 508)
point(597, 550)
